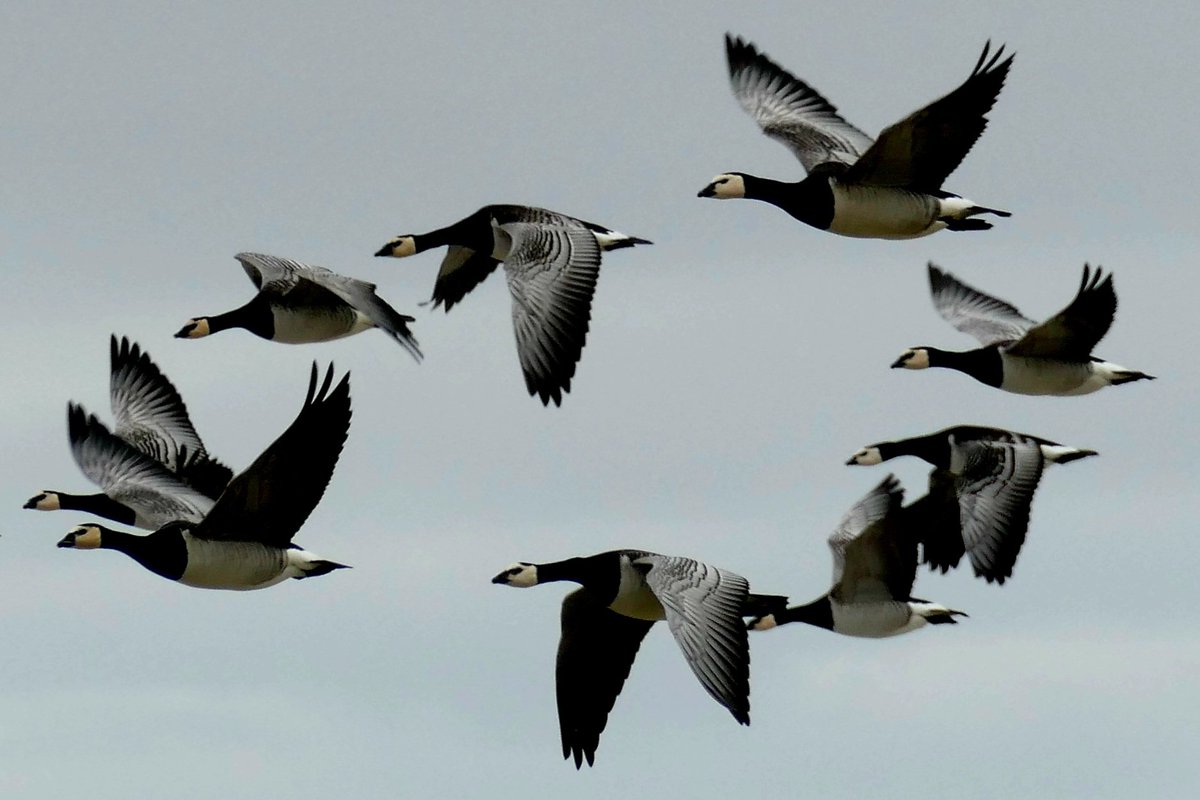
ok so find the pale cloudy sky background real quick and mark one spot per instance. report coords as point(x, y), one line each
point(730, 371)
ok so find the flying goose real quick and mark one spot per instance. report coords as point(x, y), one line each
point(245, 540)
point(551, 262)
point(874, 566)
point(890, 188)
point(153, 466)
point(299, 303)
point(624, 593)
point(1018, 354)
point(936, 447)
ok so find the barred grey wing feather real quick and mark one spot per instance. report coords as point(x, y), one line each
point(130, 476)
point(995, 488)
point(551, 271)
point(789, 110)
point(703, 606)
point(986, 318)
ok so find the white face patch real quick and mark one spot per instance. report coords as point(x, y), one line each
point(47, 501)
point(728, 186)
point(87, 537)
point(916, 358)
point(195, 328)
point(521, 575)
point(402, 246)
point(867, 457)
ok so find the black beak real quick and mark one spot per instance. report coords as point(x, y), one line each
point(67, 541)
point(708, 191)
point(899, 362)
point(851, 462)
point(33, 501)
point(386, 250)
point(183, 332)
point(501, 578)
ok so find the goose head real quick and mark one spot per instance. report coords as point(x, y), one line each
point(194, 329)
point(726, 186)
point(913, 358)
point(44, 501)
point(82, 537)
point(521, 574)
point(399, 247)
point(866, 457)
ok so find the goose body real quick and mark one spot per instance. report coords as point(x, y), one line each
point(889, 188)
point(624, 592)
point(937, 448)
point(874, 552)
point(243, 541)
point(300, 303)
point(551, 263)
point(153, 466)
point(1022, 356)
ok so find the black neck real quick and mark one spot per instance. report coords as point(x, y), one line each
point(809, 200)
point(982, 364)
point(255, 317)
point(162, 552)
point(819, 613)
point(934, 449)
point(99, 504)
point(474, 232)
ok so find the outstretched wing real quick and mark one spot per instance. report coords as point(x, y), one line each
point(921, 150)
point(789, 110)
point(874, 558)
point(130, 476)
point(995, 488)
point(595, 654)
point(1073, 332)
point(551, 270)
point(704, 606)
point(151, 416)
point(988, 319)
point(271, 499)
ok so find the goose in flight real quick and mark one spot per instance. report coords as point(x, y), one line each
point(245, 540)
point(874, 551)
point(889, 188)
point(152, 466)
point(624, 592)
point(299, 303)
point(935, 448)
point(551, 262)
point(1022, 356)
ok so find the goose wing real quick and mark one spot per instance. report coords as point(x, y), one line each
point(789, 110)
point(703, 607)
point(989, 320)
point(272, 498)
point(130, 476)
point(995, 486)
point(1074, 331)
point(595, 654)
point(921, 150)
point(462, 270)
point(152, 417)
point(306, 284)
point(873, 558)
point(937, 517)
point(551, 270)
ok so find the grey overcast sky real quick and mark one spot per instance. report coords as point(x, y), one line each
point(730, 370)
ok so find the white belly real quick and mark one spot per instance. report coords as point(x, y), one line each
point(873, 620)
point(877, 212)
point(239, 566)
point(292, 327)
point(1043, 376)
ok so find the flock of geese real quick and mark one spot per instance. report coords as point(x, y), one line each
point(213, 529)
